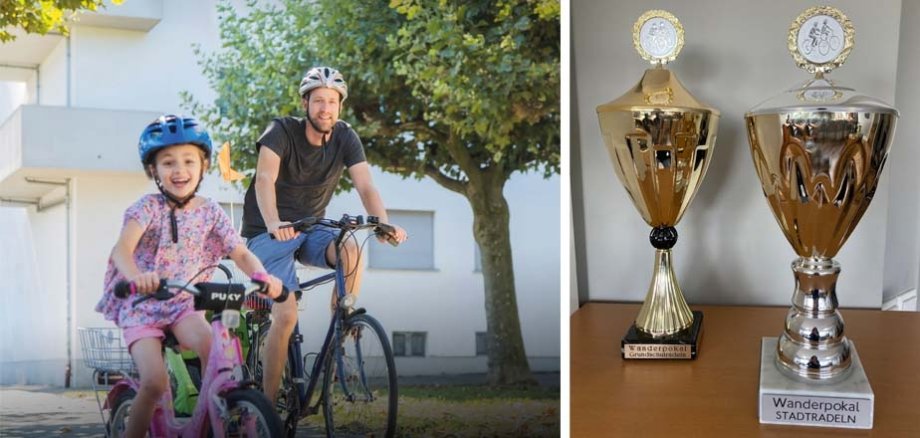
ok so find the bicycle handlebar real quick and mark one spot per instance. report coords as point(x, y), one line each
point(347, 223)
point(204, 292)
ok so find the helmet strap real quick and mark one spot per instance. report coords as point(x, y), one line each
point(176, 203)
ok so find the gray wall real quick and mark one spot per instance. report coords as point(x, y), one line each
point(902, 259)
point(730, 251)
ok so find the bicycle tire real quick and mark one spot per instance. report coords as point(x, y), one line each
point(118, 419)
point(365, 402)
point(243, 402)
point(287, 400)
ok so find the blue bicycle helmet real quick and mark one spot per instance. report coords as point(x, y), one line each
point(169, 130)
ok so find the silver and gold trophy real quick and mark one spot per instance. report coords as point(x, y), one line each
point(660, 139)
point(818, 150)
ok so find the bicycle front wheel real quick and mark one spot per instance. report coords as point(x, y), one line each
point(359, 382)
point(250, 414)
point(117, 423)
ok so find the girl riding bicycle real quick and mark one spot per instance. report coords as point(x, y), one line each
point(173, 235)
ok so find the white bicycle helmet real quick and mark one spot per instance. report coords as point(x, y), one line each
point(327, 77)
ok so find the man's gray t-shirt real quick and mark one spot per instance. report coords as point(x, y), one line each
point(307, 175)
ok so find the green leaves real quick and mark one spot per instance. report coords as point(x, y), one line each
point(449, 86)
point(41, 16)
point(472, 66)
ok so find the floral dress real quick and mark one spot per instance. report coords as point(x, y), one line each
point(205, 236)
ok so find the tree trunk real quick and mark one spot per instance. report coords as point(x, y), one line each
point(507, 358)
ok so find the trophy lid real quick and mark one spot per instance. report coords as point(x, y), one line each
point(821, 94)
point(658, 37)
point(820, 39)
point(659, 89)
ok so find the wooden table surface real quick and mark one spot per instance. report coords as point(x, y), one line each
point(716, 394)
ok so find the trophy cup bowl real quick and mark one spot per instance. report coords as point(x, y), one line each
point(660, 139)
point(819, 163)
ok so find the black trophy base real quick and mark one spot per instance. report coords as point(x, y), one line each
point(684, 344)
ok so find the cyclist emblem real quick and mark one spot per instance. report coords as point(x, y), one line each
point(658, 36)
point(822, 39)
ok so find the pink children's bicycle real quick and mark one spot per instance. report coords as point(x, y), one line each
point(227, 406)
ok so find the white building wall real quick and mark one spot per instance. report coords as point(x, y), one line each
point(31, 91)
point(10, 139)
point(12, 94)
point(123, 69)
point(536, 244)
point(33, 339)
point(53, 77)
point(49, 238)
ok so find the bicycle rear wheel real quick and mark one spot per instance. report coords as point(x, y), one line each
point(359, 382)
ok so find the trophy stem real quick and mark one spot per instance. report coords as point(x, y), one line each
point(665, 311)
point(812, 345)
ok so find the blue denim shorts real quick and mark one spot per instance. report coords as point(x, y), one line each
point(309, 248)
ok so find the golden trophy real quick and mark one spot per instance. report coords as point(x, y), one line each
point(660, 139)
point(818, 150)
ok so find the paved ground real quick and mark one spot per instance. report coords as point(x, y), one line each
point(32, 411)
point(45, 412)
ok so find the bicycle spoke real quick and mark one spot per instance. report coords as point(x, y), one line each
point(362, 399)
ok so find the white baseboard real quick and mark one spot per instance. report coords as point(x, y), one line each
point(906, 301)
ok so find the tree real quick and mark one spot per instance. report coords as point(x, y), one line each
point(41, 16)
point(464, 92)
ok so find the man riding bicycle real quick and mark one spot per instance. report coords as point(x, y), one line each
point(299, 166)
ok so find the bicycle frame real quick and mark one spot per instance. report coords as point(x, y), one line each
point(224, 358)
point(305, 389)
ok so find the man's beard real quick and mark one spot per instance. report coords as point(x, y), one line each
point(316, 127)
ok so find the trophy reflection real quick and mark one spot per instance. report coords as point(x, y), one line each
point(818, 150)
point(660, 140)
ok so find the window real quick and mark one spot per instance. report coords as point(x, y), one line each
point(481, 344)
point(234, 211)
point(415, 253)
point(409, 343)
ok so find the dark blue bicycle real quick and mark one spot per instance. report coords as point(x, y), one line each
point(359, 393)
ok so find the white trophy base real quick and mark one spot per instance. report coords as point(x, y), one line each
point(847, 402)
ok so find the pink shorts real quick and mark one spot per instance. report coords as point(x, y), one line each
point(133, 334)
